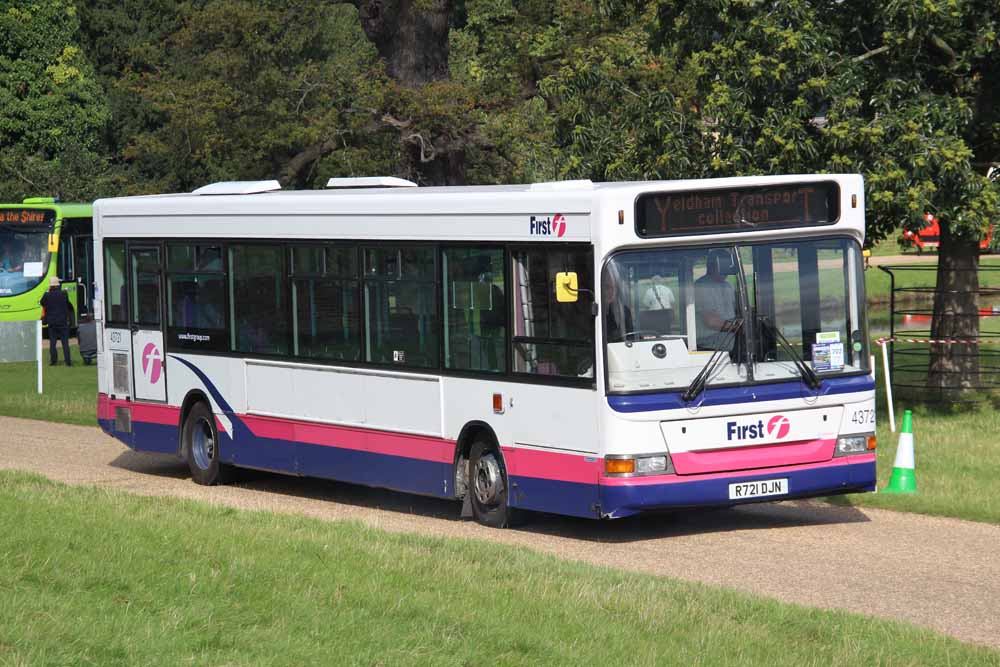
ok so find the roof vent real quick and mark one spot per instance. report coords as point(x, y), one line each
point(370, 182)
point(238, 188)
point(551, 186)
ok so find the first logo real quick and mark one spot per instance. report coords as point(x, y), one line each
point(554, 225)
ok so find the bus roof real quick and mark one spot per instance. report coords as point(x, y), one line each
point(486, 211)
point(579, 190)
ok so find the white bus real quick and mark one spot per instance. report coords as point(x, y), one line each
point(588, 349)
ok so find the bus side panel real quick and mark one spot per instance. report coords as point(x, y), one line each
point(554, 482)
point(548, 435)
point(271, 422)
point(417, 464)
point(144, 427)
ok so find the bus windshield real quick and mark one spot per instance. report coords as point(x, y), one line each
point(24, 258)
point(766, 312)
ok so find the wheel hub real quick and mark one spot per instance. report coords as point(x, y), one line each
point(488, 480)
point(203, 444)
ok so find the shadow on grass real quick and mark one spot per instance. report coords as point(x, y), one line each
point(759, 516)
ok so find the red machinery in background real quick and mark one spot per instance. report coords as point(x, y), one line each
point(929, 237)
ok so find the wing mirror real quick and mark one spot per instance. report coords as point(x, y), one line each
point(567, 289)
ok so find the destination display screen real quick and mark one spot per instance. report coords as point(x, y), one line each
point(743, 209)
point(35, 217)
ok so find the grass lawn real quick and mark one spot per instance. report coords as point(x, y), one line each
point(922, 275)
point(957, 459)
point(889, 246)
point(96, 576)
point(69, 394)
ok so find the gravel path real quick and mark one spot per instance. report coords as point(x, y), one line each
point(943, 574)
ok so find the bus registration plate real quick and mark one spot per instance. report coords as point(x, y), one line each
point(765, 487)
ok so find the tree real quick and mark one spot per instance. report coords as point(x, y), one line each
point(53, 110)
point(248, 90)
point(902, 92)
point(124, 39)
point(431, 113)
point(934, 86)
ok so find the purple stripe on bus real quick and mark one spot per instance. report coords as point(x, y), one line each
point(779, 391)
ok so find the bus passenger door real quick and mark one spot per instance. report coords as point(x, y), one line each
point(148, 357)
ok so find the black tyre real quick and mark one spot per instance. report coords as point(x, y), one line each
point(200, 444)
point(488, 486)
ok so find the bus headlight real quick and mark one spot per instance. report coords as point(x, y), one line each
point(651, 465)
point(855, 444)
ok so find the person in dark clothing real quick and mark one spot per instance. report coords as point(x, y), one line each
point(57, 312)
point(618, 315)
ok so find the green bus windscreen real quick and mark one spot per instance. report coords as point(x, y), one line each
point(40, 240)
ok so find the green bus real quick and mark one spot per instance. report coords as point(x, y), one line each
point(41, 238)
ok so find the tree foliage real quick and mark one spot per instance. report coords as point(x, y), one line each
point(246, 90)
point(176, 93)
point(53, 108)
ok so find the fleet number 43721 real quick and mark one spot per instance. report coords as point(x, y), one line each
point(863, 417)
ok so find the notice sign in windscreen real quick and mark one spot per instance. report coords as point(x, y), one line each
point(743, 209)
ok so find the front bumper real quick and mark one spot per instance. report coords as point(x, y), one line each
point(621, 497)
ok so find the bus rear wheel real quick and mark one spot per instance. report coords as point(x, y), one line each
point(488, 486)
point(200, 442)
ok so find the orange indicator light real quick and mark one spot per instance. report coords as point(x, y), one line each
point(871, 442)
point(498, 403)
point(619, 466)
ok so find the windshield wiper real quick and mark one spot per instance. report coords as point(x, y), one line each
point(808, 374)
point(731, 327)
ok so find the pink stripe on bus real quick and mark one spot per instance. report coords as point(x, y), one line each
point(104, 408)
point(147, 413)
point(556, 466)
point(347, 437)
point(746, 458)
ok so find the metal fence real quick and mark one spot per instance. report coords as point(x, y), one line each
point(912, 291)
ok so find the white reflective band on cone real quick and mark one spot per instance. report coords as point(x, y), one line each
point(904, 452)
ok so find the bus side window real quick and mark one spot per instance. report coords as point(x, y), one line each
point(196, 297)
point(257, 299)
point(115, 295)
point(400, 300)
point(475, 309)
point(326, 300)
point(552, 338)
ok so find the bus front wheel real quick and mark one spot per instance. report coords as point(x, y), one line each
point(201, 447)
point(488, 486)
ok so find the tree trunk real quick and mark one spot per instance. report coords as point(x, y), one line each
point(412, 38)
point(955, 368)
